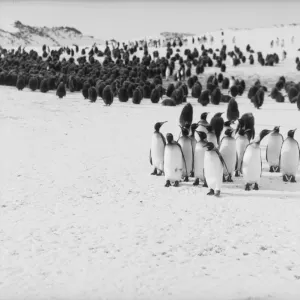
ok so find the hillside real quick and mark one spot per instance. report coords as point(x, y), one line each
point(25, 35)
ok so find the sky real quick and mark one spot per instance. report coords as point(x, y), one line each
point(122, 19)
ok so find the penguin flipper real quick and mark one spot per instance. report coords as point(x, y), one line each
point(236, 162)
point(222, 160)
point(163, 138)
point(260, 164)
point(182, 156)
point(243, 159)
point(267, 153)
point(150, 157)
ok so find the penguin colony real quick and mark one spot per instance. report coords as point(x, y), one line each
point(130, 71)
point(214, 152)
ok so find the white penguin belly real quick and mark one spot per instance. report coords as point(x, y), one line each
point(252, 165)
point(241, 144)
point(289, 161)
point(273, 150)
point(199, 161)
point(228, 152)
point(213, 170)
point(173, 163)
point(186, 146)
point(157, 152)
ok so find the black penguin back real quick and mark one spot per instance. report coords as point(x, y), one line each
point(92, 94)
point(61, 90)
point(108, 95)
point(232, 110)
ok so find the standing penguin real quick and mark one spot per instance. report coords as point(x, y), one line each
point(241, 144)
point(187, 148)
point(217, 123)
point(203, 122)
point(211, 135)
point(213, 169)
point(186, 115)
point(227, 125)
point(61, 90)
point(273, 150)
point(157, 150)
point(252, 163)
point(108, 95)
point(232, 110)
point(228, 152)
point(193, 139)
point(174, 161)
point(199, 158)
point(247, 122)
point(289, 157)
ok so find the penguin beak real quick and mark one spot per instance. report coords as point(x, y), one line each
point(294, 129)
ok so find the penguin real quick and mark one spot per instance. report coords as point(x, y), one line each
point(252, 163)
point(61, 90)
point(107, 95)
point(247, 121)
point(199, 158)
point(85, 90)
point(203, 122)
point(187, 148)
point(213, 169)
point(232, 110)
point(228, 152)
point(186, 115)
point(273, 150)
point(289, 157)
point(174, 161)
point(231, 81)
point(193, 139)
point(92, 94)
point(33, 83)
point(242, 142)
point(217, 123)
point(211, 136)
point(227, 125)
point(157, 149)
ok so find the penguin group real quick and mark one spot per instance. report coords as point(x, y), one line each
point(200, 153)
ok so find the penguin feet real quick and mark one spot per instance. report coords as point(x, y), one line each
point(196, 182)
point(186, 179)
point(192, 174)
point(154, 172)
point(293, 178)
point(271, 169)
point(224, 178)
point(247, 187)
point(278, 170)
point(217, 193)
point(176, 184)
point(159, 173)
point(205, 184)
point(211, 192)
point(255, 187)
point(168, 183)
point(237, 174)
point(285, 178)
point(229, 178)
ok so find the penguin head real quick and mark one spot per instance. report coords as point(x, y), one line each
point(184, 131)
point(276, 129)
point(169, 138)
point(228, 132)
point(262, 134)
point(219, 114)
point(158, 125)
point(194, 127)
point(291, 133)
point(204, 116)
point(209, 146)
point(202, 135)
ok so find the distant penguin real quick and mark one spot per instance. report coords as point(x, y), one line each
point(289, 157)
point(61, 90)
point(252, 162)
point(92, 94)
point(232, 110)
point(273, 150)
point(241, 144)
point(108, 95)
point(228, 152)
point(217, 123)
point(216, 96)
point(213, 169)
point(33, 83)
point(20, 83)
point(85, 90)
point(123, 94)
point(204, 98)
point(231, 81)
point(199, 158)
point(247, 122)
point(186, 115)
point(157, 150)
point(258, 99)
point(174, 162)
point(187, 148)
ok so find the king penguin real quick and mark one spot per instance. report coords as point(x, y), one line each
point(211, 136)
point(187, 148)
point(273, 149)
point(242, 142)
point(252, 163)
point(157, 150)
point(174, 161)
point(193, 139)
point(202, 123)
point(213, 169)
point(289, 157)
point(228, 152)
point(199, 158)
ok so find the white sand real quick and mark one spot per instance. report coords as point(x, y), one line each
point(81, 217)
